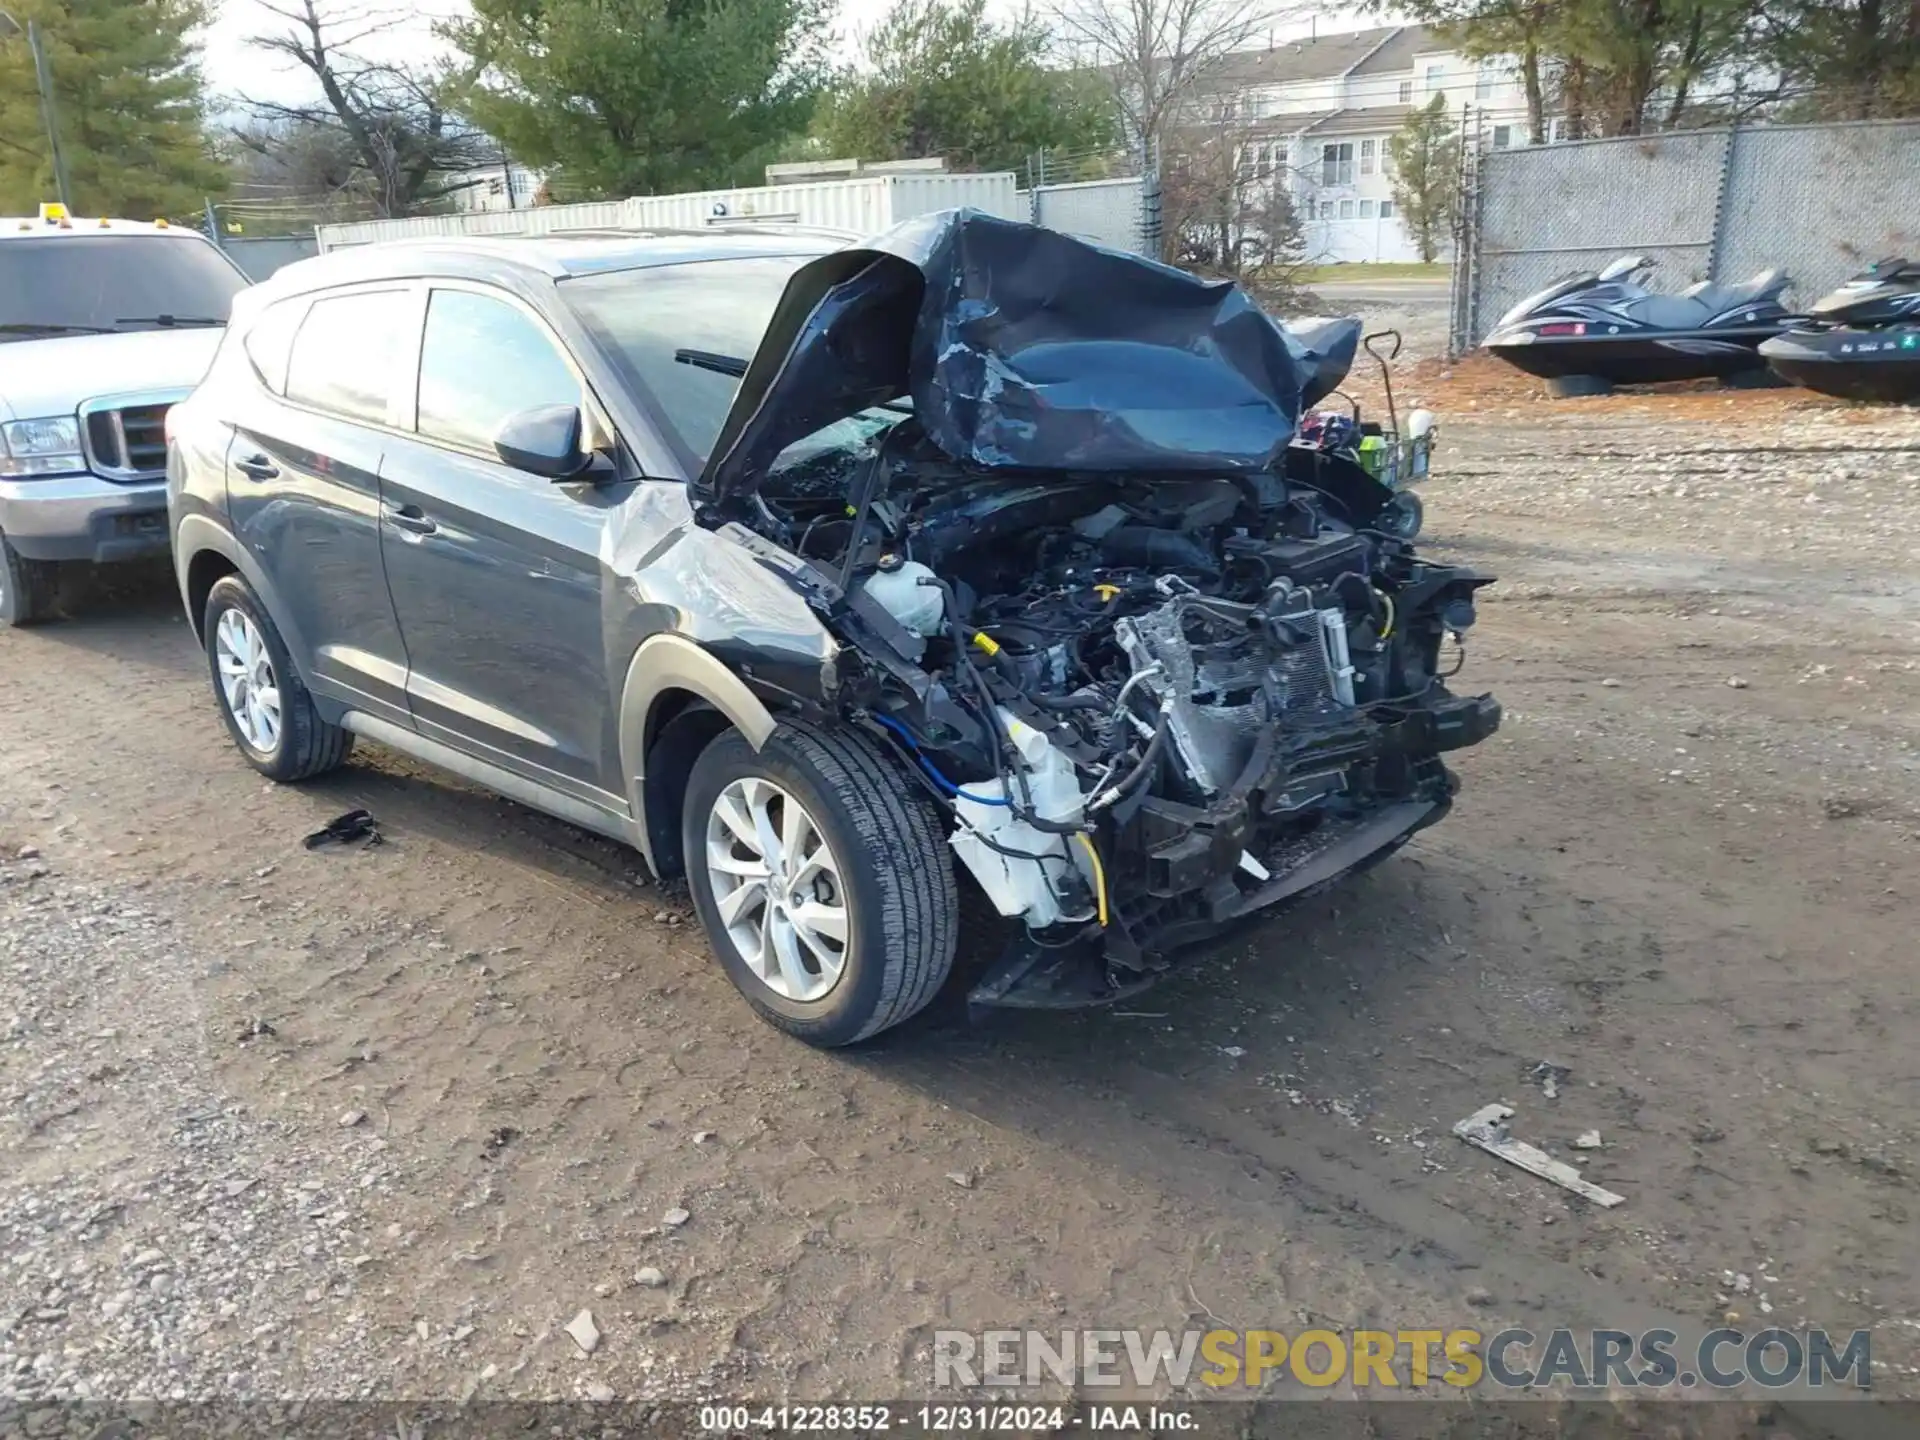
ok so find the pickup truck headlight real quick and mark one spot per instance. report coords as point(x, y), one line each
point(41, 447)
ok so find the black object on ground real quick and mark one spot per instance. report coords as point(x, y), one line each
point(344, 829)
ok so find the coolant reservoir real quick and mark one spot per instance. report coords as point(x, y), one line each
point(919, 608)
point(1023, 869)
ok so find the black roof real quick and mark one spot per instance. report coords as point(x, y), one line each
point(557, 257)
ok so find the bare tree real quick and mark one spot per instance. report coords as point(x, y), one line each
point(294, 173)
point(1161, 55)
point(1227, 211)
point(391, 123)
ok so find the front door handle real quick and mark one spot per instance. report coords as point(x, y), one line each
point(411, 518)
point(257, 467)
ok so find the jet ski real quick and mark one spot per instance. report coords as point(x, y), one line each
point(1586, 333)
point(1862, 341)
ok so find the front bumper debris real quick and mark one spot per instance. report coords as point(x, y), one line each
point(1029, 976)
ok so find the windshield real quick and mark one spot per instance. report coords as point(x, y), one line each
point(667, 327)
point(78, 284)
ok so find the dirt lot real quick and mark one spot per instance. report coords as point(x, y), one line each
point(281, 1122)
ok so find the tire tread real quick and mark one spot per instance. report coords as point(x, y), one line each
point(919, 901)
point(32, 586)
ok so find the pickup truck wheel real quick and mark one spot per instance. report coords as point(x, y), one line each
point(823, 879)
point(267, 709)
point(27, 587)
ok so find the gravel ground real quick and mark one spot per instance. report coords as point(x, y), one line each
point(383, 1123)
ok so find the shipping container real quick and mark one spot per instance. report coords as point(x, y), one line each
point(862, 206)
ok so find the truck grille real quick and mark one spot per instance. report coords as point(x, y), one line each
point(127, 441)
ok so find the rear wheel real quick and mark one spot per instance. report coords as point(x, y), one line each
point(267, 709)
point(1402, 516)
point(27, 587)
point(823, 880)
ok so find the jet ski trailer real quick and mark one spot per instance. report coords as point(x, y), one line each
point(1587, 333)
point(1860, 342)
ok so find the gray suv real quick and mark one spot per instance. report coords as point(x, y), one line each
point(843, 580)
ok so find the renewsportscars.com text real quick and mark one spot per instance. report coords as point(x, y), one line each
point(1513, 1359)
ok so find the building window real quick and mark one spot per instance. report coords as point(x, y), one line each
point(1436, 78)
point(1483, 83)
point(1346, 209)
point(1406, 92)
point(1366, 209)
point(1336, 164)
point(1326, 209)
point(1556, 130)
point(1367, 151)
point(1386, 209)
point(1502, 137)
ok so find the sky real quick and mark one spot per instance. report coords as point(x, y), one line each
point(232, 68)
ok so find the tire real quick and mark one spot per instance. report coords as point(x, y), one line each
point(887, 868)
point(1403, 516)
point(27, 587)
point(301, 744)
point(1578, 387)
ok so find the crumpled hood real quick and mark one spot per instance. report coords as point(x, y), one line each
point(53, 376)
point(1023, 348)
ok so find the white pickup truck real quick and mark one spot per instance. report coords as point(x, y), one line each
point(104, 324)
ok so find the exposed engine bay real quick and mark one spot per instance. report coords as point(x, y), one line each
point(1150, 704)
point(1146, 625)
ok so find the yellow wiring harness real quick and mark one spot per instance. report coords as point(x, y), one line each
point(1099, 874)
point(1387, 633)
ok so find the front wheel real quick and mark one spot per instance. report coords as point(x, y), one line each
point(27, 587)
point(823, 880)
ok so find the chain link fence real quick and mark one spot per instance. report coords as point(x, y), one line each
point(1819, 201)
point(1097, 195)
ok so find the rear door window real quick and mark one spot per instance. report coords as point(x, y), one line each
point(349, 353)
point(269, 342)
point(482, 361)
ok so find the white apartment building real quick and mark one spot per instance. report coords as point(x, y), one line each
point(1316, 115)
point(495, 187)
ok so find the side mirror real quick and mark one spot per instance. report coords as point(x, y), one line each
point(544, 441)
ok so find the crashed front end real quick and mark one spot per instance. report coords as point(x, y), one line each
point(1161, 666)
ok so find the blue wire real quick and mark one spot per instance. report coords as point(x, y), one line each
point(927, 765)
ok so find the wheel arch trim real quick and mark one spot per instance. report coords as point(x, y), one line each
point(197, 534)
point(662, 664)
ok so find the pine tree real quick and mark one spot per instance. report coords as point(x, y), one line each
point(637, 97)
point(128, 98)
point(1424, 159)
point(942, 79)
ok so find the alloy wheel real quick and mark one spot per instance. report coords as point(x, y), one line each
point(777, 888)
point(247, 681)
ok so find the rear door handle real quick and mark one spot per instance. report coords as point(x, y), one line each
point(411, 518)
point(257, 467)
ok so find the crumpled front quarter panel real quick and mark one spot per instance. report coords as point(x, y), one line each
point(671, 576)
